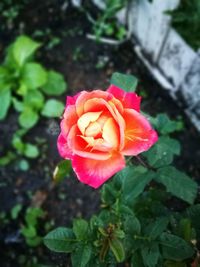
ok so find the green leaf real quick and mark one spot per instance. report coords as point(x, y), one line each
point(136, 260)
point(31, 151)
point(29, 231)
point(60, 240)
point(34, 241)
point(81, 256)
point(15, 211)
point(5, 100)
point(52, 108)
point(193, 213)
point(22, 89)
point(55, 85)
point(18, 105)
point(23, 165)
point(34, 99)
point(117, 248)
point(169, 263)
point(185, 229)
point(174, 247)
point(28, 118)
point(132, 226)
point(156, 228)
point(23, 48)
point(124, 81)
point(162, 153)
point(62, 170)
point(177, 183)
point(134, 181)
point(7, 158)
point(34, 75)
point(18, 144)
point(5, 77)
point(80, 229)
point(108, 194)
point(32, 215)
point(150, 255)
point(165, 126)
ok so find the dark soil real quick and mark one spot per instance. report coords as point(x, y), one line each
point(75, 57)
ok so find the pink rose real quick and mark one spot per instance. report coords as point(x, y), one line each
point(98, 129)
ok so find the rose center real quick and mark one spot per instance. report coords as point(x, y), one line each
point(93, 130)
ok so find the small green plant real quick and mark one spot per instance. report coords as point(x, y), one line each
point(24, 85)
point(138, 223)
point(186, 20)
point(10, 11)
point(30, 229)
point(48, 37)
point(106, 23)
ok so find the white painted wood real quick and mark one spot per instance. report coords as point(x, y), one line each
point(141, 28)
point(158, 27)
point(100, 4)
point(76, 3)
point(122, 16)
point(190, 88)
point(175, 59)
point(133, 18)
point(150, 24)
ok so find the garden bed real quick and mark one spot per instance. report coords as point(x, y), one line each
point(85, 65)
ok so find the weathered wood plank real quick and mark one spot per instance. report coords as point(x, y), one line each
point(176, 58)
point(159, 23)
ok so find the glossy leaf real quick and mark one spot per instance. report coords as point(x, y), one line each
point(165, 126)
point(136, 260)
point(80, 229)
point(156, 228)
point(124, 81)
point(193, 213)
point(150, 254)
point(177, 183)
point(60, 240)
point(117, 248)
point(174, 247)
point(81, 256)
point(134, 181)
point(163, 152)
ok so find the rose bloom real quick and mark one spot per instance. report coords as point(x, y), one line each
point(98, 129)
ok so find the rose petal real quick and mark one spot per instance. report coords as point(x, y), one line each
point(80, 147)
point(101, 104)
point(139, 135)
point(97, 144)
point(94, 129)
point(69, 119)
point(71, 100)
point(63, 148)
point(111, 133)
point(95, 173)
point(85, 120)
point(129, 100)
